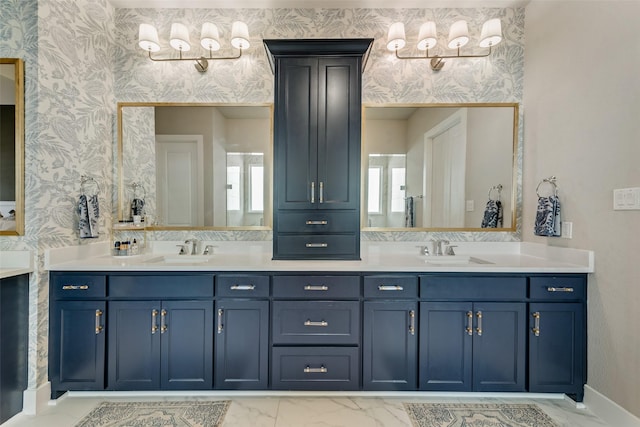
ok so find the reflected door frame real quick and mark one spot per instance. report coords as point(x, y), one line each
point(174, 152)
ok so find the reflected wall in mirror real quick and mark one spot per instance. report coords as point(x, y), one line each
point(195, 165)
point(11, 146)
point(437, 166)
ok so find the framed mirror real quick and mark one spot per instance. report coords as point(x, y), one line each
point(440, 167)
point(195, 166)
point(11, 146)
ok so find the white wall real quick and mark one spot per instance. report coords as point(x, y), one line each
point(581, 101)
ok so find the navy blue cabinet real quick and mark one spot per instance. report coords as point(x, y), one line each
point(317, 147)
point(14, 319)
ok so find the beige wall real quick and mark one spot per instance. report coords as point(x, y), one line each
point(581, 94)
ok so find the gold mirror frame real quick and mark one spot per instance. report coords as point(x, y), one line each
point(268, 217)
point(19, 145)
point(514, 169)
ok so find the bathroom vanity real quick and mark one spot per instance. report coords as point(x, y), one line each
point(514, 323)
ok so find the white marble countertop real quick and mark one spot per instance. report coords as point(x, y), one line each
point(487, 257)
point(15, 263)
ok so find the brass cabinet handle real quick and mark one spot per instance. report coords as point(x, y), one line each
point(469, 327)
point(390, 288)
point(322, 323)
point(412, 322)
point(154, 321)
point(317, 245)
point(536, 324)
point(99, 327)
point(316, 288)
point(220, 326)
point(479, 326)
point(243, 287)
point(75, 287)
point(564, 289)
point(320, 370)
point(163, 321)
point(313, 192)
point(313, 222)
point(321, 192)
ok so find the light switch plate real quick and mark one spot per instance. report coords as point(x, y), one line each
point(471, 205)
point(567, 229)
point(626, 199)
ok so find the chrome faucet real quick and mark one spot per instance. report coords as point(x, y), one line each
point(437, 246)
point(193, 245)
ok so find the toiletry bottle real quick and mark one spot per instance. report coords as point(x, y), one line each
point(133, 249)
point(116, 248)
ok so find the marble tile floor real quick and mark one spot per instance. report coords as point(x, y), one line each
point(306, 411)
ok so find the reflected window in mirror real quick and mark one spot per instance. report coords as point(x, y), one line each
point(208, 166)
point(432, 167)
point(11, 146)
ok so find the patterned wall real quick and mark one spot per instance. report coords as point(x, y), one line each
point(385, 81)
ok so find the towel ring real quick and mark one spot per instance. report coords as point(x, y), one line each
point(498, 188)
point(551, 181)
point(89, 186)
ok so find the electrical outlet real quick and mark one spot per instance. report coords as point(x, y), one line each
point(471, 205)
point(567, 229)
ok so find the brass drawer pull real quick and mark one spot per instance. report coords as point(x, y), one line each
point(390, 288)
point(75, 287)
point(316, 288)
point(320, 370)
point(536, 324)
point(321, 192)
point(317, 245)
point(412, 322)
point(312, 222)
point(243, 287)
point(99, 327)
point(552, 289)
point(163, 321)
point(322, 323)
point(154, 321)
point(469, 328)
point(479, 328)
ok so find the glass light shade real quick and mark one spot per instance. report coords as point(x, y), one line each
point(179, 39)
point(427, 37)
point(239, 35)
point(209, 37)
point(458, 34)
point(491, 33)
point(396, 38)
point(148, 38)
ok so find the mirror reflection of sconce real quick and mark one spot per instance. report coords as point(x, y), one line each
point(458, 37)
point(179, 40)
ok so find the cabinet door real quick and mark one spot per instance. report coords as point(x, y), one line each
point(499, 347)
point(296, 136)
point(242, 344)
point(389, 345)
point(557, 348)
point(339, 117)
point(134, 345)
point(77, 361)
point(446, 335)
point(186, 331)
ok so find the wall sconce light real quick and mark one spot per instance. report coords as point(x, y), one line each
point(490, 36)
point(179, 40)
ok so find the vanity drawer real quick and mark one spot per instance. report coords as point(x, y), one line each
point(242, 286)
point(558, 288)
point(317, 246)
point(76, 286)
point(473, 288)
point(315, 368)
point(318, 222)
point(154, 286)
point(316, 287)
point(316, 322)
point(391, 287)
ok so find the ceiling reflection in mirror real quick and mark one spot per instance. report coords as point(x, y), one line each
point(195, 165)
point(440, 167)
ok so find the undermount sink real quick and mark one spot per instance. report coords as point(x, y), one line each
point(179, 259)
point(454, 259)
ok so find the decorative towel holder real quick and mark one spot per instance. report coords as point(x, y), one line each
point(497, 188)
point(551, 181)
point(89, 186)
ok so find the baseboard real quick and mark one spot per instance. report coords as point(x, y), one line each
point(35, 400)
point(608, 410)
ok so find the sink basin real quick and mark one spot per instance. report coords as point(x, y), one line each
point(454, 260)
point(179, 259)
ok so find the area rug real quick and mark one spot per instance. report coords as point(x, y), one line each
point(477, 415)
point(156, 414)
